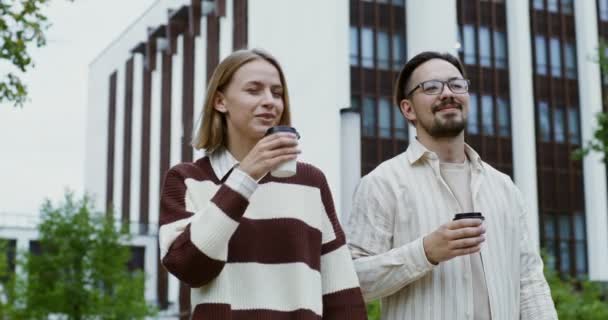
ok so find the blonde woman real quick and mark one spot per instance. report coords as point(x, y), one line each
point(250, 245)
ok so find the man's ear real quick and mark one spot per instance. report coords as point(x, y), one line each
point(407, 108)
point(219, 102)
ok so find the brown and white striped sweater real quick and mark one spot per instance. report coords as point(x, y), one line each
point(267, 250)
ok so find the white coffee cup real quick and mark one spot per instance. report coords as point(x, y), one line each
point(286, 169)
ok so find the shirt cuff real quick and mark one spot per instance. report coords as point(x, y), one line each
point(242, 183)
point(421, 261)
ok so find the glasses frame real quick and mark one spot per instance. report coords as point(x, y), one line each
point(443, 83)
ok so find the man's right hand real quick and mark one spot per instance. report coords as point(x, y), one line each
point(268, 153)
point(453, 239)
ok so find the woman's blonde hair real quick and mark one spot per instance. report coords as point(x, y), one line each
point(212, 131)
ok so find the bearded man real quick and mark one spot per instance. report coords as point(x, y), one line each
point(409, 248)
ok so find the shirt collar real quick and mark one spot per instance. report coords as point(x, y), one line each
point(417, 151)
point(222, 161)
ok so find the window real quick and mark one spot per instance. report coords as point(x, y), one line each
point(544, 123)
point(400, 125)
point(552, 5)
point(567, 7)
point(504, 118)
point(398, 51)
point(487, 106)
point(539, 5)
point(559, 125)
point(556, 54)
point(369, 117)
point(570, 57)
point(500, 50)
point(573, 126)
point(469, 44)
point(485, 54)
point(472, 123)
point(354, 46)
point(541, 55)
point(603, 7)
point(564, 235)
point(384, 117)
point(580, 237)
point(382, 49)
point(549, 238)
point(367, 47)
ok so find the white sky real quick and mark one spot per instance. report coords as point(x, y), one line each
point(42, 144)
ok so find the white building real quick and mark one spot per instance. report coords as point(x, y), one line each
point(534, 94)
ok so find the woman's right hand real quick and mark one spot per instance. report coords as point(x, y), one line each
point(270, 152)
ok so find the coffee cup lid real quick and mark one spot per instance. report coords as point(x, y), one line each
point(469, 215)
point(276, 129)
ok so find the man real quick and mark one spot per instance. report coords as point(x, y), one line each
point(408, 250)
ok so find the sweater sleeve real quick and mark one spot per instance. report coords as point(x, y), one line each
point(342, 298)
point(194, 245)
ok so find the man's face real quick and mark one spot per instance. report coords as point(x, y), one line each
point(440, 115)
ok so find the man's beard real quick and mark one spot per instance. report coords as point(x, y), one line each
point(450, 127)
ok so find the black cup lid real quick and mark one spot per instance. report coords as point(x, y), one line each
point(276, 129)
point(469, 215)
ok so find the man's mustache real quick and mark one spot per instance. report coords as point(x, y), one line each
point(445, 103)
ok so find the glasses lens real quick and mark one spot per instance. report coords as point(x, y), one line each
point(459, 85)
point(432, 87)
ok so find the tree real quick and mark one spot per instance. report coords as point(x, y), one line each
point(22, 24)
point(80, 270)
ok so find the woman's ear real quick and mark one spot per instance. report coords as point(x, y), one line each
point(407, 108)
point(219, 102)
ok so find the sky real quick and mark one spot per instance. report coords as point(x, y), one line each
point(42, 144)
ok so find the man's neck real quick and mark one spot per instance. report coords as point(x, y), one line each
point(448, 149)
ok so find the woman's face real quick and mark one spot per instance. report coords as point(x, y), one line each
point(252, 102)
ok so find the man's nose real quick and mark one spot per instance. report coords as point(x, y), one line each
point(446, 92)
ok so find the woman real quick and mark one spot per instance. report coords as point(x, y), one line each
point(252, 246)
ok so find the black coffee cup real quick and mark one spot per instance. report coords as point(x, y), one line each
point(468, 215)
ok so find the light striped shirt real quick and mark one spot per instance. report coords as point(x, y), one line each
point(403, 200)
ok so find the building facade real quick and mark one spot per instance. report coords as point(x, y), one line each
point(535, 91)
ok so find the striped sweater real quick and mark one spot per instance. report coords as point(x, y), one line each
point(267, 250)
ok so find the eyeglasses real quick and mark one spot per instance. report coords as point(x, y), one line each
point(435, 87)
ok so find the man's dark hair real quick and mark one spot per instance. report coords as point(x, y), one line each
point(406, 72)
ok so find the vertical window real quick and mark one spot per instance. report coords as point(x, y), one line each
point(564, 235)
point(354, 46)
point(487, 109)
point(400, 125)
point(472, 123)
point(570, 57)
point(541, 55)
point(552, 6)
point(485, 54)
point(559, 125)
point(469, 44)
point(549, 229)
point(367, 47)
point(567, 7)
point(544, 123)
point(398, 51)
point(556, 60)
point(369, 117)
point(539, 5)
point(398, 2)
point(603, 10)
point(580, 237)
point(384, 118)
point(504, 123)
point(500, 50)
point(382, 49)
point(573, 126)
